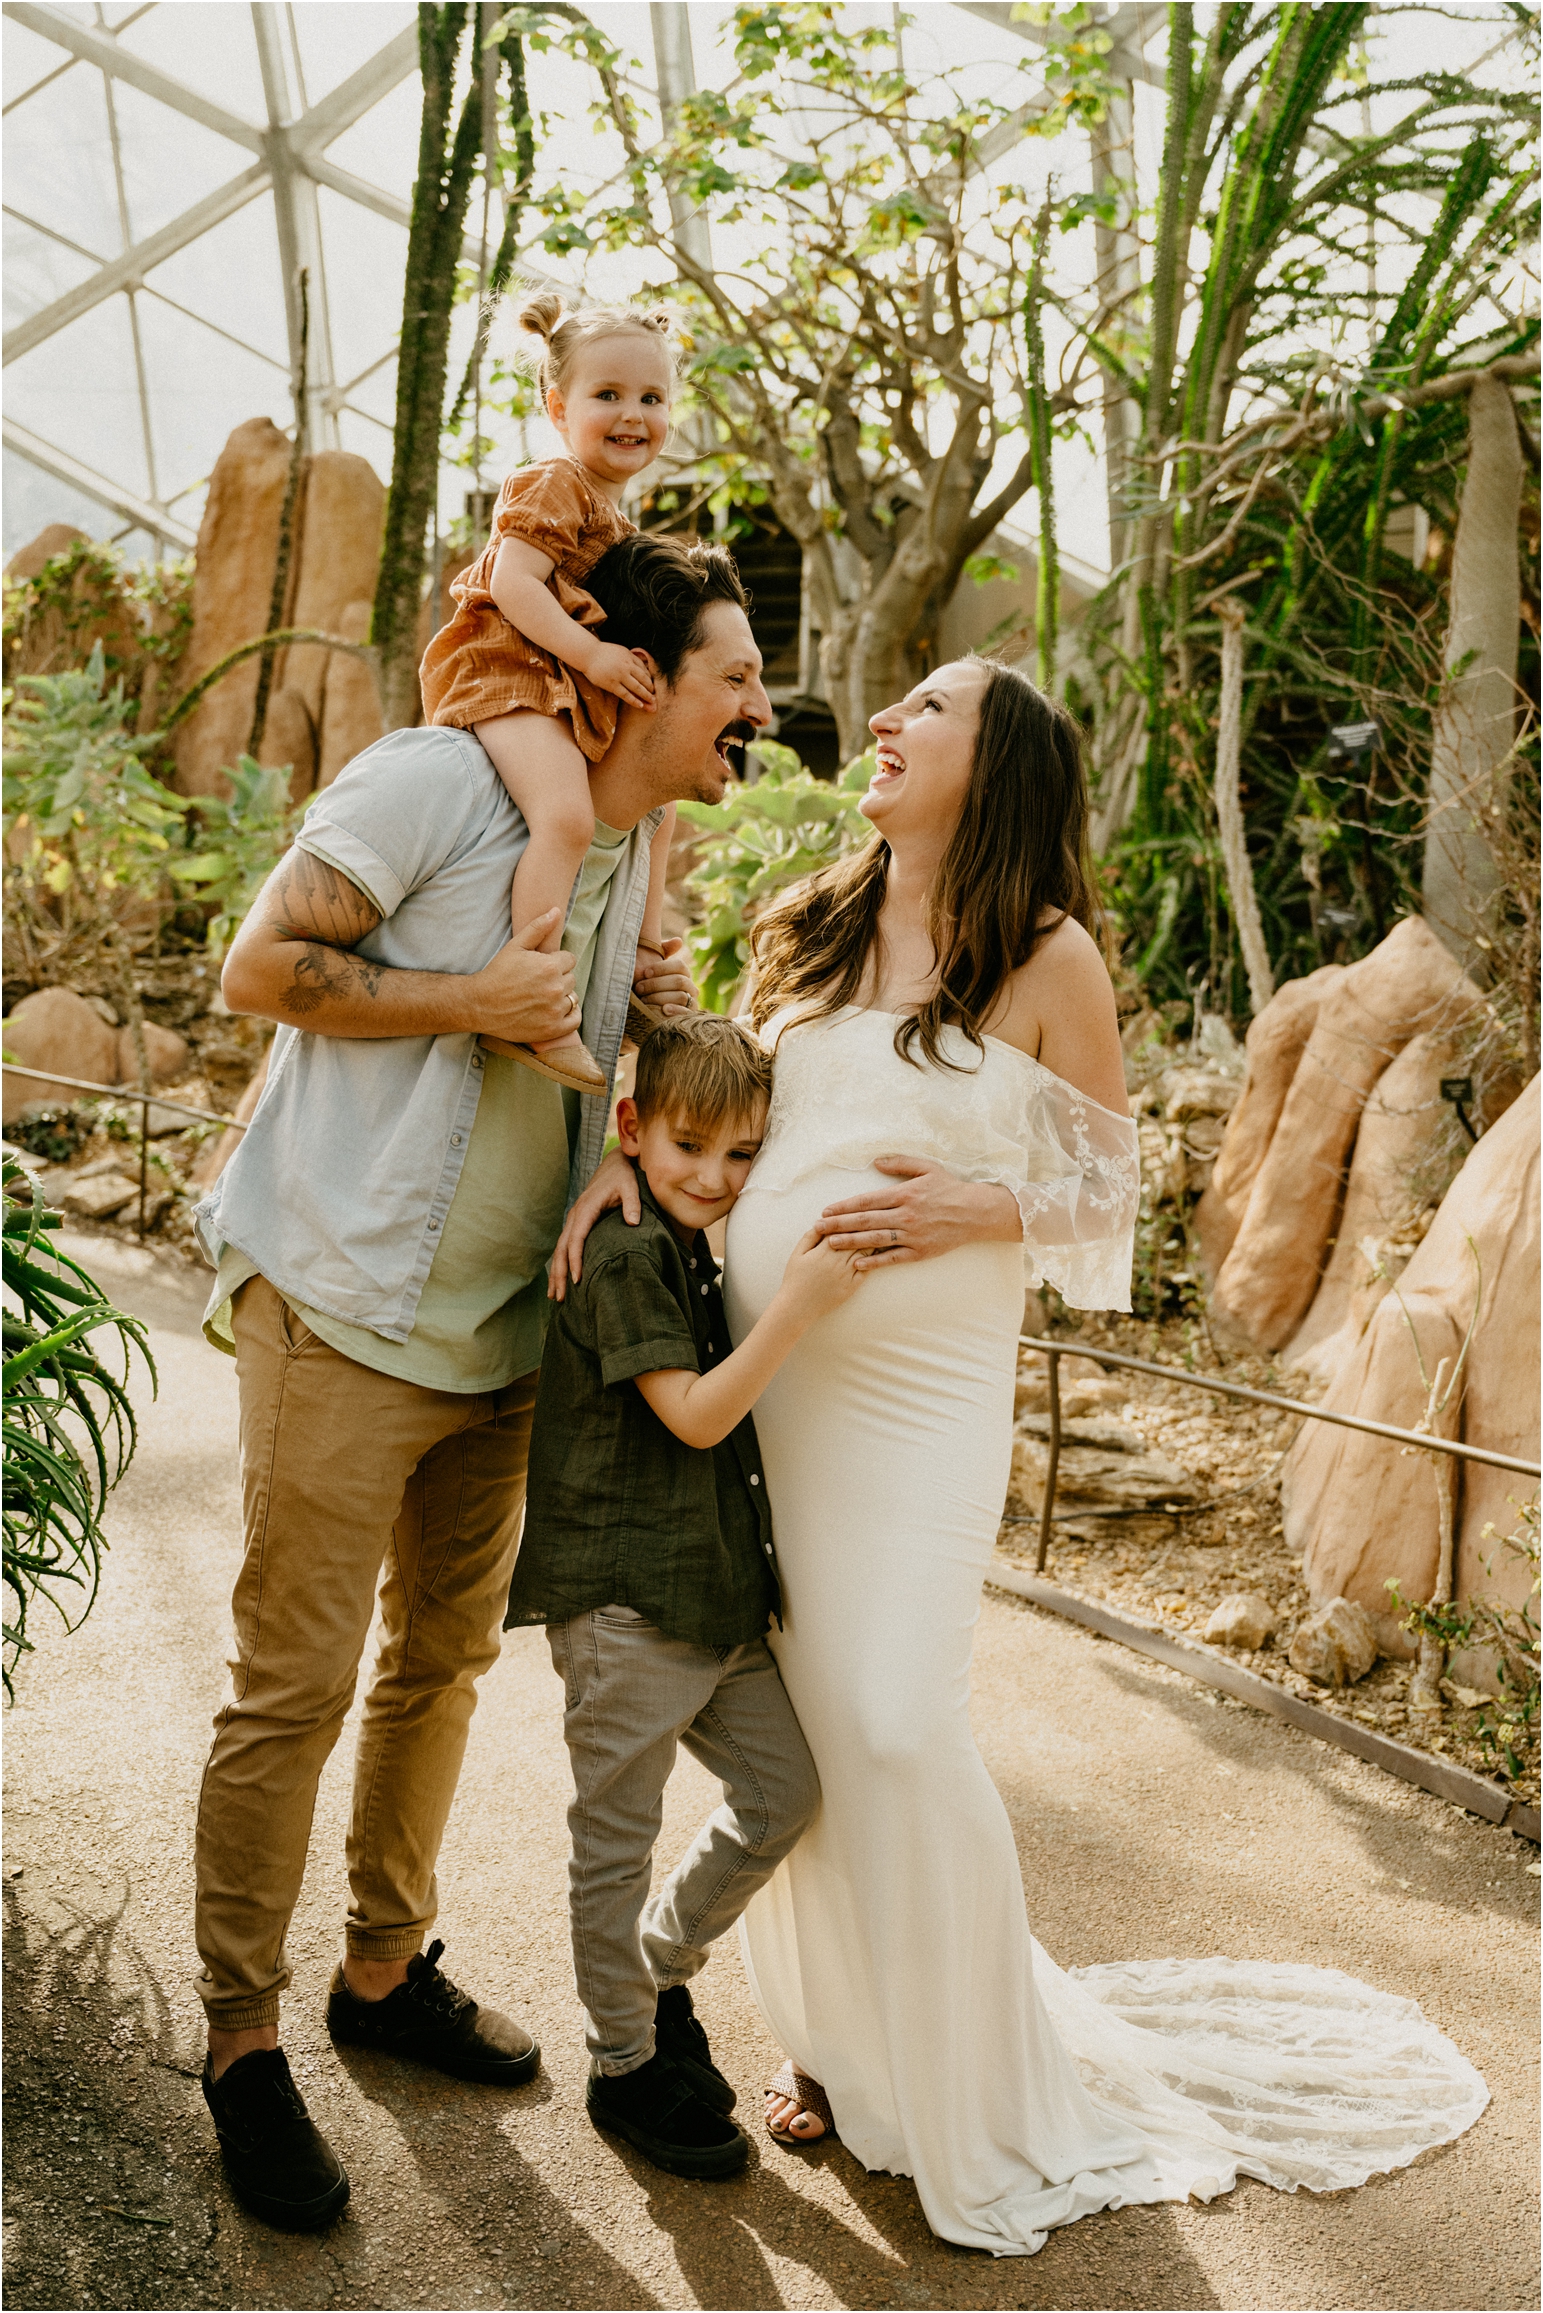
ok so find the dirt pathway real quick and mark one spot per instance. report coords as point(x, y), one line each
point(1152, 1817)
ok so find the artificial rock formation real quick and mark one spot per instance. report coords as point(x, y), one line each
point(1361, 1509)
point(338, 549)
point(336, 543)
point(238, 542)
point(54, 538)
point(350, 703)
point(1362, 1017)
point(58, 1030)
point(1274, 1044)
point(1408, 1150)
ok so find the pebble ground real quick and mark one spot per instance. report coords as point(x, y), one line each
point(1152, 1817)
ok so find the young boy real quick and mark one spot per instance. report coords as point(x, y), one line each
point(648, 1555)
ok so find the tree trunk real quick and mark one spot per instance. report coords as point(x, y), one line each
point(440, 194)
point(1229, 813)
point(1476, 722)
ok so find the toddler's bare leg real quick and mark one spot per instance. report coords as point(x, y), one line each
point(652, 934)
point(546, 774)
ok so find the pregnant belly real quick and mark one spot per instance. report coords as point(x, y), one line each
point(891, 1421)
point(959, 1313)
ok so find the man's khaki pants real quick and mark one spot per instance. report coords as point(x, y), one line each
point(343, 1469)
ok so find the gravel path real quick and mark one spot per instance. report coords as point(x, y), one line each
point(1152, 1817)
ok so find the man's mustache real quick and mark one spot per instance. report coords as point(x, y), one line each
point(739, 733)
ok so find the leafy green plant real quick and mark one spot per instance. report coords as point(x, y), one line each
point(70, 1431)
point(753, 845)
point(142, 614)
point(54, 1133)
point(97, 847)
point(1507, 1722)
point(237, 844)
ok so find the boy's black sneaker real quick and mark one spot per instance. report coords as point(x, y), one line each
point(658, 2110)
point(279, 2164)
point(431, 2021)
point(679, 2034)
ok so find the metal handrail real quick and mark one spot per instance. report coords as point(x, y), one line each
point(1055, 1351)
point(146, 1100)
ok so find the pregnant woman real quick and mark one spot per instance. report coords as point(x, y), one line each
point(949, 1098)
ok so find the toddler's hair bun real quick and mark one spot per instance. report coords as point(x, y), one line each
point(543, 314)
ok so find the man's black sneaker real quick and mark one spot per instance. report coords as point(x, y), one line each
point(429, 2020)
point(658, 2109)
point(679, 2034)
point(280, 2165)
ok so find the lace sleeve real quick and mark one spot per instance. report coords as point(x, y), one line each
point(1079, 1205)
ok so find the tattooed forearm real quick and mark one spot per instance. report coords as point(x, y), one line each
point(317, 979)
point(321, 976)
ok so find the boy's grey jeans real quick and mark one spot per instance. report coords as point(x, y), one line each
point(632, 1695)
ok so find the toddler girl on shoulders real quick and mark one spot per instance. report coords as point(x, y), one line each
point(520, 663)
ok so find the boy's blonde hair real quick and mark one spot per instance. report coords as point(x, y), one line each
point(566, 334)
point(702, 1068)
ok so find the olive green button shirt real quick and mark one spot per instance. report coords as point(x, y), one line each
point(618, 1512)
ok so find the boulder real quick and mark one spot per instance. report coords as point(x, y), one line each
point(1494, 1201)
point(1363, 1510)
point(56, 1029)
point(338, 552)
point(289, 740)
point(42, 640)
point(1365, 1017)
point(1242, 1619)
point(1335, 1646)
point(351, 719)
point(1095, 1469)
point(1408, 1151)
point(101, 1195)
point(54, 538)
point(238, 542)
point(165, 1050)
point(1276, 1040)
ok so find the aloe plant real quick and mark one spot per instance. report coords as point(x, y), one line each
point(70, 1431)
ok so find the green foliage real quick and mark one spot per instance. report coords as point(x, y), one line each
point(238, 843)
point(753, 845)
point(95, 842)
point(1507, 1722)
point(866, 367)
point(55, 1133)
point(141, 613)
point(69, 1423)
point(1310, 283)
point(88, 826)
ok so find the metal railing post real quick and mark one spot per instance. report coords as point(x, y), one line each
point(144, 1160)
point(1052, 1460)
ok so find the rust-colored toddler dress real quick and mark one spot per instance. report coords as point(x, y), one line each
point(479, 665)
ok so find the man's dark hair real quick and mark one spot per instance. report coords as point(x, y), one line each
point(654, 591)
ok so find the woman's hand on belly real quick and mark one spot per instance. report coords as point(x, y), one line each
point(925, 1211)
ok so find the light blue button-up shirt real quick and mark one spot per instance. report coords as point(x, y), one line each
point(340, 1187)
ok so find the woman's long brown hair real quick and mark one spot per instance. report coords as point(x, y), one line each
point(1020, 849)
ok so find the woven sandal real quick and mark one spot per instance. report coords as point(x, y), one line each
point(807, 2093)
point(570, 1065)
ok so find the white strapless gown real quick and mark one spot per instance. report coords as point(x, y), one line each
point(890, 1954)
